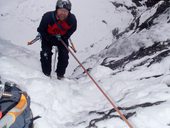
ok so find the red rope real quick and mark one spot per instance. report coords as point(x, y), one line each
point(106, 96)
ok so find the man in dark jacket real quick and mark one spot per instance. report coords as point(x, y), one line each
point(61, 23)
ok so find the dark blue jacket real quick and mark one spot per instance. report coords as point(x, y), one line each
point(50, 26)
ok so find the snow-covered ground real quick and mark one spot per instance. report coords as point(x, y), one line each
point(67, 103)
point(72, 103)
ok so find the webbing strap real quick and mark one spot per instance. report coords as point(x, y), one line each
point(55, 21)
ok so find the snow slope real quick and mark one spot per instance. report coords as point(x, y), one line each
point(77, 103)
point(141, 94)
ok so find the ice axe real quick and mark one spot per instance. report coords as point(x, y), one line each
point(55, 56)
point(72, 45)
point(38, 37)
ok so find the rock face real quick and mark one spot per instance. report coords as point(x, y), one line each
point(143, 43)
point(142, 26)
point(148, 34)
point(155, 53)
point(135, 11)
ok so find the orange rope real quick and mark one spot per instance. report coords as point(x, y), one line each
point(106, 96)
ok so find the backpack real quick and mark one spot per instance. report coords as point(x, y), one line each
point(15, 109)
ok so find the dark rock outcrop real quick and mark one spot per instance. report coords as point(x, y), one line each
point(111, 113)
point(161, 48)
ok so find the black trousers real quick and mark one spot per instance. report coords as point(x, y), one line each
point(46, 57)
